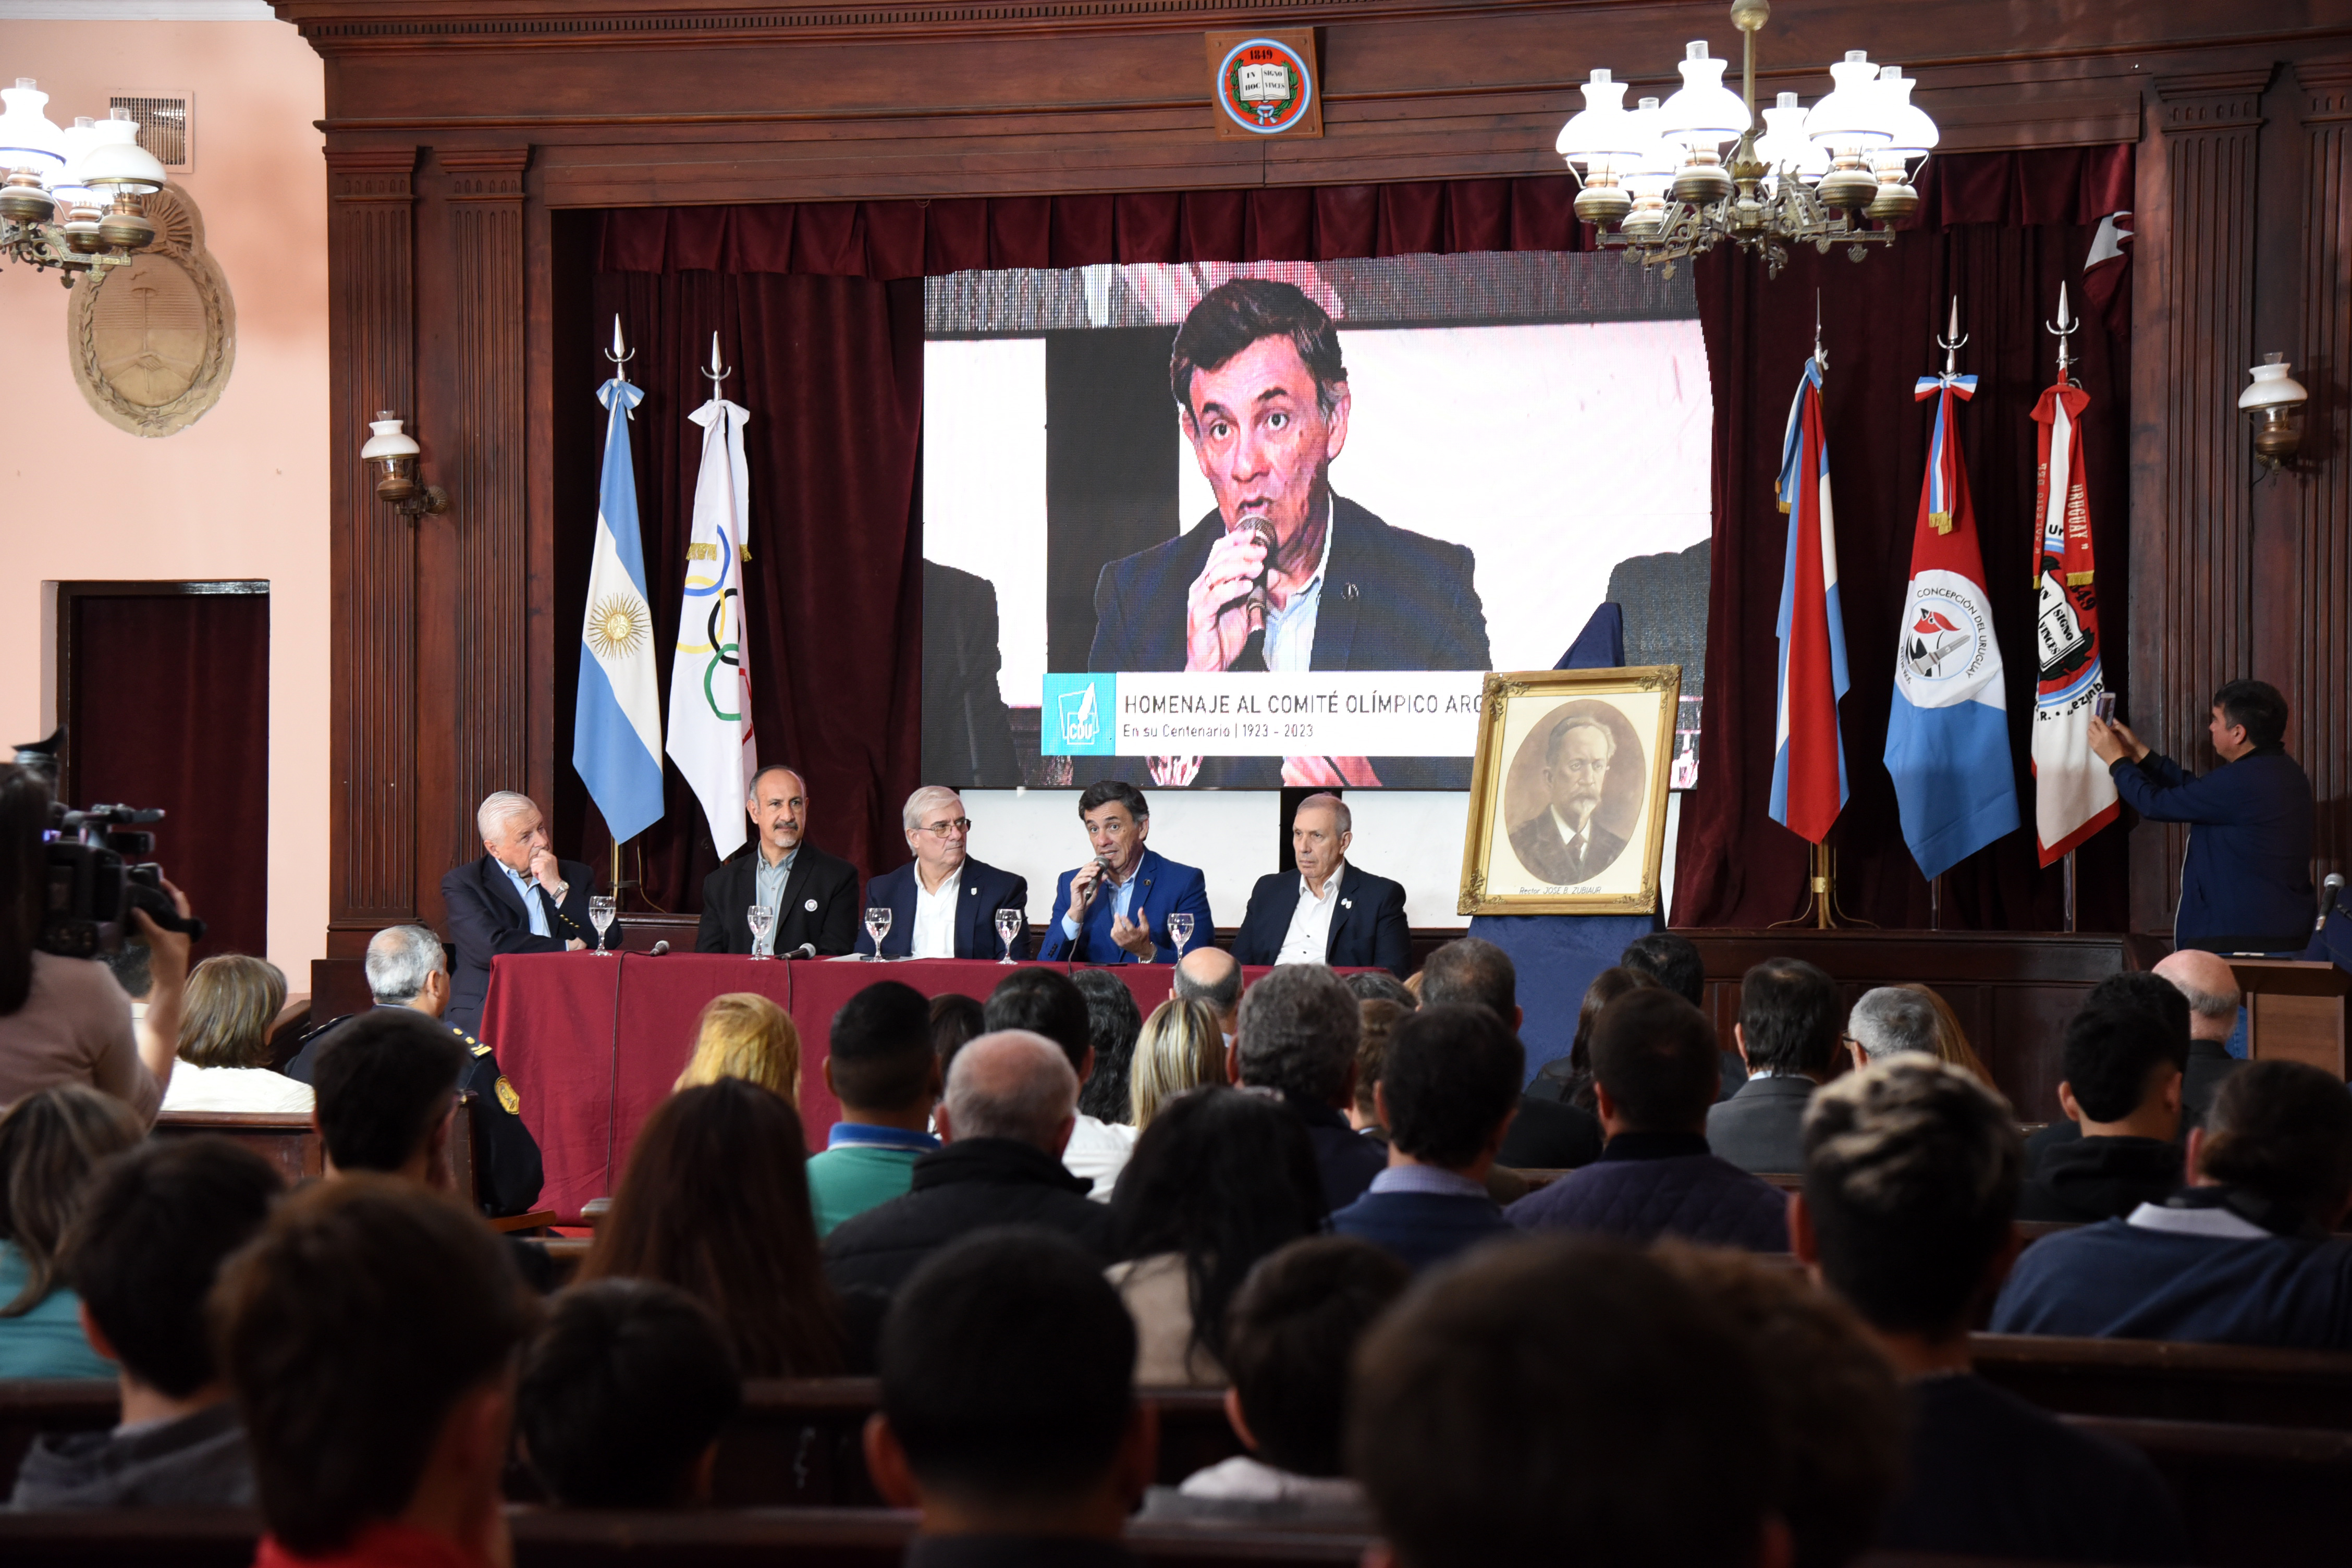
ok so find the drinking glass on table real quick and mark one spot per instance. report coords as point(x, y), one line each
point(1179, 926)
point(877, 926)
point(1008, 926)
point(600, 915)
point(763, 919)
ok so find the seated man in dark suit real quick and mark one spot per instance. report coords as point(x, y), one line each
point(1911, 1178)
point(812, 896)
point(2122, 1089)
point(1329, 911)
point(1114, 908)
point(1565, 844)
point(945, 904)
point(1792, 1027)
point(2245, 1255)
point(1449, 1085)
point(2207, 982)
point(1296, 1037)
point(1653, 1071)
point(518, 897)
point(1284, 575)
point(1547, 1134)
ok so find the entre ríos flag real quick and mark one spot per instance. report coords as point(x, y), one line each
point(709, 679)
point(1809, 785)
point(2074, 796)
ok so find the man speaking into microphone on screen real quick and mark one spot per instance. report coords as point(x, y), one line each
point(1285, 575)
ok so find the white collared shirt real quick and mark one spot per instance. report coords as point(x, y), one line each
point(935, 916)
point(1290, 630)
point(1308, 939)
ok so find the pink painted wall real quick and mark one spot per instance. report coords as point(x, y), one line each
point(243, 492)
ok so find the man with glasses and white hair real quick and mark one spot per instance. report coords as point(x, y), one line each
point(944, 904)
point(518, 897)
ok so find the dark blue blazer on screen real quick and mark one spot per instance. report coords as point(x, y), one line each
point(2245, 883)
point(985, 890)
point(1367, 929)
point(1161, 888)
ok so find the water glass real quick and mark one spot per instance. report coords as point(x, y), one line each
point(877, 926)
point(1179, 926)
point(763, 919)
point(600, 915)
point(1008, 926)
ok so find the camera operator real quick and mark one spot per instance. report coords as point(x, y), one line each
point(67, 1020)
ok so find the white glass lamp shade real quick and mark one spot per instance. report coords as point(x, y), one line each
point(1850, 116)
point(387, 442)
point(1704, 113)
point(28, 139)
point(1652, 154)
point(1910, 134)
point(1785, 145)
point(1601, 129)
point(2272, 387)
point(68, 187)
point(117, 165)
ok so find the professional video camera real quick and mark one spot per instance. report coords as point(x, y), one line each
point(92, 884)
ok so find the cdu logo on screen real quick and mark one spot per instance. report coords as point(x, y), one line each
point(1078, 710)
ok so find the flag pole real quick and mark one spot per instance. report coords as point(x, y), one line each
point(2064, 329)
point(619, 354)
point(1951, 342)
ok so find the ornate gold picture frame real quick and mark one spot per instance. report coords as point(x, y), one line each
point(1568, 794)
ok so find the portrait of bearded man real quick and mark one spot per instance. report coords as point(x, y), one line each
point(1564, 843)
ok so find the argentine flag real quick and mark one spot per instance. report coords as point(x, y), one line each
point(617, 738)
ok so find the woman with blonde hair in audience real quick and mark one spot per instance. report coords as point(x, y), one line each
point(716, 1202)
point(232, 1002)
point(50, 1142)
point(743, 1034)
point(1181, 1048)
point(1951, 1040)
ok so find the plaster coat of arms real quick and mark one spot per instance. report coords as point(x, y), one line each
point(152, 343)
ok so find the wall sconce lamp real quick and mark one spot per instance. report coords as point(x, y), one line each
point(2271, 400)
point(394, 454)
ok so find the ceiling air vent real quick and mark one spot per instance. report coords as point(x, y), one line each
point(166, 125)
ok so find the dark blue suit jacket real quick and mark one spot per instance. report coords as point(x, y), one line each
point(985, 890)
point(1161, 888)
point(1422, 1228)
point(487, 917)
point(1367, 929)
point(2245, 886)
point(1391, 600)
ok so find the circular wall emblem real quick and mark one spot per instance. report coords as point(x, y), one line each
point(1265, 86)
point(1949, 654)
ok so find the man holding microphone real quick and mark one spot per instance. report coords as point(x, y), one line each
point(1115, 909)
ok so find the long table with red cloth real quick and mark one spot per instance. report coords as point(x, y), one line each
point(591, 1043)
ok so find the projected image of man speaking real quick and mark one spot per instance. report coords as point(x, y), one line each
point(1285, 575)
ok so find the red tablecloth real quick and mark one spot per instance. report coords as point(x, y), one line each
point(592, 1043)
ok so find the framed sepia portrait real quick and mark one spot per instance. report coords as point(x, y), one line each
point(1568, 792)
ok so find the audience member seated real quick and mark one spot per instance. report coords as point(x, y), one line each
point(1113, 1022)
point(1951, 1041)
point(1911, 1182)
point(884, 1071)
point(1209, 977)
point(2133, 988)
point(2122, 1089)
point(1449, 1087)
point(1046, 1002)
point(1888, 1019)
point(1376, 1020)
point(1290, 1334)
point(1180, 1048)
point(1547, 1135)
point(716, 1202)
point(50, 1142)
point(1568, 1079)
point(369, 1337)
point(1654, 1059)
point(1009, 1415)
point(1836, 1399)
point(2245, 1255)
point(1563, 1400)
point(622, 1395)
point(1011, 1100)
point(1219, 1180)
point(1298, 1029)
point(1790, 1030)
point(387, 1086)
point(231, 1002)
point(155, 1229)
point(1675, 963)
point(956, 1020)
point(743, 1034)
point(2209, 986)
point(1379, 985)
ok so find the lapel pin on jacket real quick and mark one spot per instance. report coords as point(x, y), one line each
point(1346, 903)
point(810, 906)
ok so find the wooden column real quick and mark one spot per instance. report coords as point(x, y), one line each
point(2320, 734)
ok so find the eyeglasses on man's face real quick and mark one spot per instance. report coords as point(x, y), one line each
point(950, 829)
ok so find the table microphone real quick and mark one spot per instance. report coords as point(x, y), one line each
point(806, 950)
point(2328, 892)
point(659, 948)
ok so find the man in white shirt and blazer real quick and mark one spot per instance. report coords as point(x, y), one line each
point(1329, 911)
point(944, 904)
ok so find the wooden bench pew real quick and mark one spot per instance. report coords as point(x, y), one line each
point(2149, 1380)
point(2252, 1497)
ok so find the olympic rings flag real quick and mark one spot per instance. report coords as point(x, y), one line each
point(711, 679)
point(617, 736)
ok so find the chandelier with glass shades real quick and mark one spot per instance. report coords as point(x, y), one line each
point(71, 199)
point(1657, 182)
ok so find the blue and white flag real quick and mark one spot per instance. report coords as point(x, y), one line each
point(616, 738)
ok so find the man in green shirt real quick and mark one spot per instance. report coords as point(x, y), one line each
point(882, 1069)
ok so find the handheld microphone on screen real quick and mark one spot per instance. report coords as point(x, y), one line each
point(2329, 892)
point(659, 949)
point(1265, 532)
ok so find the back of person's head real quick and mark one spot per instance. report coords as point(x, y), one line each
point(1606, 987)
point(400, 960)
point(1451, 1078)
point(2208, 984)
point(1380, 985)
point(385, 1082)
point(1044, 1001)
point(230, 1003)
point(624, 1389)
point(50, 1142)
point(1561, 1397)
point(1376, 1018)
point(1113, 1022)
point(1212, 977)
point(1951, 1041)
point(2283, 1131)
point(349, 1332)
point(2258, 706)
point(1290, 1334)
point(716, 1202)
point(2150, 993)
point(1473, 970)
point(1912, 1171)
point(1836, 1398)
point(1008, 1370)
point(1671, 960)
point(880, 1052)
point(1789, 1016)
point(956, 1020)
point(1014, 1084)
point(743, 1034)
point(23, 878)
point(1181, 1048)
point(1297, 1033)
point(1221, 1177)
point(1658, 1059)
point(1888, 1018)
point(2116, 1055)
point(154, 1229)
